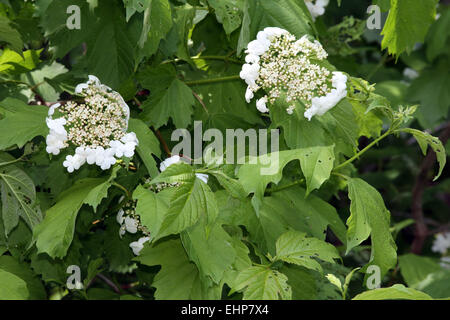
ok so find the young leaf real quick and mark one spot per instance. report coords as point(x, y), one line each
point(13, 287)
point(190, 202)
point(178, 278)
point(369, 216)
point(18, 197)
point(148, 145)
point(21, 123)
point(316, 164)
point(55, 233)
point(396, 292)
point(407, 23)
point(210, 248)
point(425, 139)
point(263, 283)
point(10, 35)
point(294, 247)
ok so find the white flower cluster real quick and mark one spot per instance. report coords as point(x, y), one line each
point(441, 243)
point(129, 221)
point(176, 159)
point(316, 7)
point(96, 126)
point(286, 67)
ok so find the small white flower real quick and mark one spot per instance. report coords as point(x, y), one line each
point(74, 162)
point(261, 105)
point(131, 224)
point(120, 218)
point(252, 58)
point(137, 246)
point(316, 7)
point(322, 104)
point(168, 162)
point(257, 47)
point(250, 73)
point(441, 243)
point(249, 95)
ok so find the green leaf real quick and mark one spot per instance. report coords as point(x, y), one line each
point(436, 284)
point(302, 282)
point(294, 247)
point(291, 15)
point(34, 285)
point(190, 202)
point(18, 197)
point(369, 124)
point(21, 123)
point(425, 139)
point(148, 144)
point(152, 207)
point(176, 101)
point(396, 292)
point(437, 38)
point(369, 216)
point(101, 191)
point(338, 126)
point(263, 283)
point(177, 172)
point(38, 79)
point(415, 268)
point(157, 23)
point(316, 164)
point(55, 233)
point(290, 209)
point(178, 278)
point(228, 12)
point(10, 35)
point(210, 248)
point(183, 22)
point(407, 23)
point(13, 287)
point(233, 186)
point(111, 39)
point(13, 63)
point(432, 90)
point(225, 103)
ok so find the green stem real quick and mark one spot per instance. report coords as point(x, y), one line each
point(287, 186)
point(378, 66)
point(127, 193)
point(11, 162)
point(359, 154)
point(218, 58)
point(213, 80)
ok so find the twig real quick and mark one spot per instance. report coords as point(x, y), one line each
point(422, 181)
point(360, 153)
point(163, 143)
point(111, 284)
point(213, 80)
point(201, 101)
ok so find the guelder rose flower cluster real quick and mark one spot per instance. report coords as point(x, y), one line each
point(316, 7)
point(129, 222)
point(290, 69)
point(96, 126)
